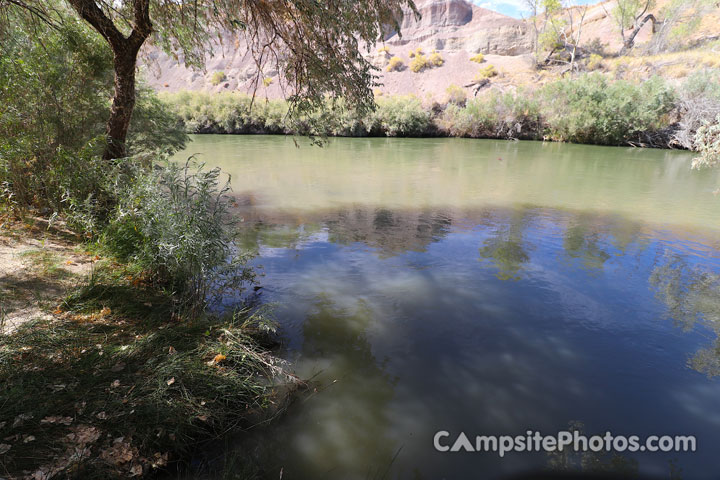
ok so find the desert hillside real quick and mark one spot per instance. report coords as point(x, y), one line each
point(449, 36)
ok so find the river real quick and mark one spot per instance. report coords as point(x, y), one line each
point(484, 287)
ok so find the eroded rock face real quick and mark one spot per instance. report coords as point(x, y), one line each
point(440, 13)
point(459, 25)
point(457, 29)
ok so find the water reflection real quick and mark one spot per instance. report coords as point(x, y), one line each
point(425, 285)
point(691, 293)
point(505, 248)
point(407, 330)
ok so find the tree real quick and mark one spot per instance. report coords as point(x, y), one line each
point(630, 16)
point(316, 45)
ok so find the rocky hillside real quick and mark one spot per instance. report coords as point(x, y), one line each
point(445, 41)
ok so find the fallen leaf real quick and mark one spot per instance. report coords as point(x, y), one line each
point(202, 418)
point(2, 425)
point(101, 415)
point(69, 262)
point(56, 419)
point(85, 434)
point(20, 419)
point(171, 381)
point(219, 358)
point(115, 384)
point(160, 460)
point(28, 439)
point(4, 448)
point(136, 470)
point(171, 350)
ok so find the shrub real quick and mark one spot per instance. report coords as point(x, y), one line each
point(590, 109)
point(419, 63)
point(698, 104)
point(594, 61)
point(267, 81)
point(495, 115)
point(486, 72)
point(416, 52)
point(172, 223)
point(396, 64)
point(384, 50)
point(456, 95)
point(436, 59)
point(478, 58)
point(400, 117)
point(707, 142)
point(217, 77)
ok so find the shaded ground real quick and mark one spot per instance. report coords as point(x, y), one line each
point(38, 265)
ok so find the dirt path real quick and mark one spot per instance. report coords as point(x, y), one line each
point(37, 267)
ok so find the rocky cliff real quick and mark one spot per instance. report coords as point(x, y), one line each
point(457, 29)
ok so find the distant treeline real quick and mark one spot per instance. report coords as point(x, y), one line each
point(585, 109)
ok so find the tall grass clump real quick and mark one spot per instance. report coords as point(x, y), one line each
point(592, 109)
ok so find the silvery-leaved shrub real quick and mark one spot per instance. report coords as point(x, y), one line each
point(173, 222)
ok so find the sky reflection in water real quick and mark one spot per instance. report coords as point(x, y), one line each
point(489, 317)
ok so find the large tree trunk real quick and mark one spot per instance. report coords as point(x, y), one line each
point(123, 104)
point(125, 52)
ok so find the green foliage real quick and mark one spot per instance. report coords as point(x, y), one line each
point(172, 223)
point(55, 86)
point(395, 64)
point(235, 113)
point(227, 112)
point(495, 115)
point(591, 109)
point(707, 143)
point(400, 117)
point(478, 58)
point(217, 77)
point(456, 95)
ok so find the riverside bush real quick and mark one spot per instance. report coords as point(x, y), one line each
point(707, 142)
point(172, 222)
point(698, 104)
point(401, 116)
point(585, 109)
point(591, 109)
point(495, 115)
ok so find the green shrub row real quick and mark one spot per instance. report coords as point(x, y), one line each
point(585, 109)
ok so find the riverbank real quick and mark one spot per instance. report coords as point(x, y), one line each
point(106, 377)
point(588, 109)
